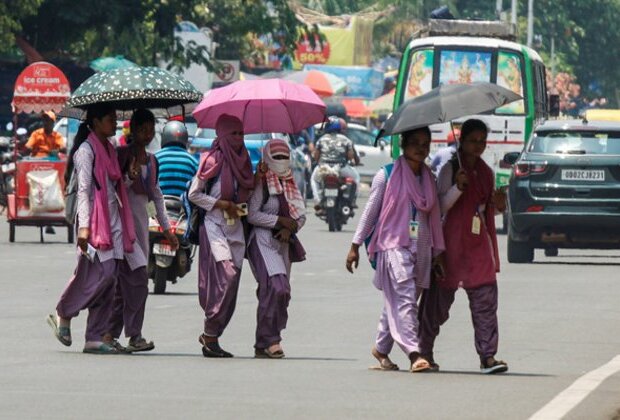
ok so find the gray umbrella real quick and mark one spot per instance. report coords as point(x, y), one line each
point(131, 88)
point(445, 103)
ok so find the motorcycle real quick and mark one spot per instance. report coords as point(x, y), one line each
point(338, 193)
point(165, 264)
point(7, 170)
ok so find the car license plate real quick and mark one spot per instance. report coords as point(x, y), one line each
point(163, 249)
point(582, 175)
point(331, 193)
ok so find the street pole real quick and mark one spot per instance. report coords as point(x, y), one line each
point(498, 9)
point(513, 15)
point(553, 59)
point(530, 22)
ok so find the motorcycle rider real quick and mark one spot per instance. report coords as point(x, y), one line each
point(334, 150)
point(176, 165)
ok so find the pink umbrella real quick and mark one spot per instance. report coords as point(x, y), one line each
point(264, 106)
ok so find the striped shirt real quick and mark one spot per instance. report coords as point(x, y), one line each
point(176, 168)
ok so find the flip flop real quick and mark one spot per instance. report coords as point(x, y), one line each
point(420, 365)
point(101, 349)
point(266, 354)
point(385, 363)
point(63, 334)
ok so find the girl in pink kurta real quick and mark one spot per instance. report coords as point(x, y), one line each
point(402, 214)
point(468, 204)
point(104, 224)
point(224, 180)
point(276, 213)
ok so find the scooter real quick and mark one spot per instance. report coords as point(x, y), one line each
point(337, 194)
point(165, 264)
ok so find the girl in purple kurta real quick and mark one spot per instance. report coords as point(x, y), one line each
point(276, 211)
point(132, 290)
point(468, 205)
point(223, 182)
point(104, 225)
point(403, 217)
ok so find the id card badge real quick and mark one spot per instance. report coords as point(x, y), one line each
point(475, 225)
point(414, 226)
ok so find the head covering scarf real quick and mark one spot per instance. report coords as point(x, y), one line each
point(392, 229)
point(229, 159)
point(279, 176)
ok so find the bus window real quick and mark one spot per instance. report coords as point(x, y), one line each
point(509, 76)
point(540, 91)
point(457, 66)
point(420, 77)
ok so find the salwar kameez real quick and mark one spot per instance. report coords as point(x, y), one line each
point(401, 271)
point(471, 263)
point(132, 285)
point(271, 266)
point(93, 283)
point(222, 248)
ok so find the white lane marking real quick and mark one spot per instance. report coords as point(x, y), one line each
point(577, 392)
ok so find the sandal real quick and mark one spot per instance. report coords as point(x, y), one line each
point(63, 334)
point(139, 344)
point(266, 354)
point(420, 365)
point(103, 348)
point(494, 366)
point(212, 349)
point(384, 361)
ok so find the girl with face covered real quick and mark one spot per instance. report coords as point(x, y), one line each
point(223, 182)
point(276, 211)
point(468, 205)
point(402, 214)
point(106, 233)
point(140, 169)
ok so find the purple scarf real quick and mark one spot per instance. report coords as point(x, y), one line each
point(392, 229)
point(230, 159)
point(106, 166)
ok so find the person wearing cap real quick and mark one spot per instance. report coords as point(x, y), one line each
point(276, 211)
point(45, 141)
point(176, 165)
point(444, 155)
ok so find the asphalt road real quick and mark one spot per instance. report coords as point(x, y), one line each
point(559, 319)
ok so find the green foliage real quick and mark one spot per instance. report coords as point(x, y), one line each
point(12, 12)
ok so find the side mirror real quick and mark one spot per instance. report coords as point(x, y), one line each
point(554, 105)
point(511, 158)
point(382, 144)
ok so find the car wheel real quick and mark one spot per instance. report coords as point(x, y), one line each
point(519, 252)
point(551, 252)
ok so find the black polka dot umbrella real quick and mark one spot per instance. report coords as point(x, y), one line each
point(131, 88)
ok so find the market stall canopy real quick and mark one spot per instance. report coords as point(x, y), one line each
point(357, 108)
point(131, 88)
point(383, 104)
point(40, 87)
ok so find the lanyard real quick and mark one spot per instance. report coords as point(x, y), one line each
point(414, 211)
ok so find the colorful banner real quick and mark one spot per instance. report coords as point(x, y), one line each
point(362, 82)
point(338, 46)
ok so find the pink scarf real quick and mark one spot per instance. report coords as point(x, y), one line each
point(472, 260)
point(230, 159)
point(392, 229)
point(106, 166)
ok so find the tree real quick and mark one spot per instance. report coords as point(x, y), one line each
point(12, 13)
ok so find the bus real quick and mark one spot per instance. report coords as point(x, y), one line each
point(434, 60)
